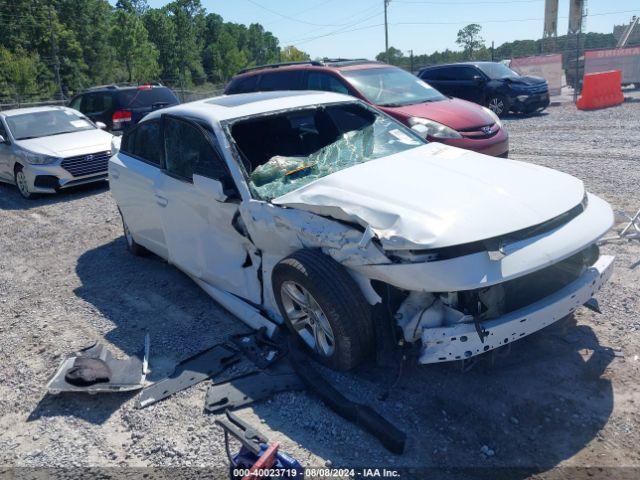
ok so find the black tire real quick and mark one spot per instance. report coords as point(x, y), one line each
point(134, 247)
point(21, 183)
point(498, 104)
point(340, 300)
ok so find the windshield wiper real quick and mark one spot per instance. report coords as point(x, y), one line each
point(27, 138)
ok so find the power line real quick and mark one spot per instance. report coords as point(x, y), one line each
point(293, 19)
point(339, 30)
point(452, 4)
point(458, 22)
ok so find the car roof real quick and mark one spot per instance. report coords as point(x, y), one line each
point(227, 107)
point(326, 64)
point(121, 87)
point(468, 64)
point(21, 111)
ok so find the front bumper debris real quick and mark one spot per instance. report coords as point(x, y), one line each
point(462, 341)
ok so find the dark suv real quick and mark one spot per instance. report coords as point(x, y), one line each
point(491, 84)
point(121, 107)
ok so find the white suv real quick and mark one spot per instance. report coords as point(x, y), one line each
point(316, 210)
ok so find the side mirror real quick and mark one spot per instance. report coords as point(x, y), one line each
point(101, 125)
point(210, 187)
point(478, 78)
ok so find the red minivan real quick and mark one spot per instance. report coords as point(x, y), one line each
point(394, 91)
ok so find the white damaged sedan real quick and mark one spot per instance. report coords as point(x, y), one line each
point(315, 210)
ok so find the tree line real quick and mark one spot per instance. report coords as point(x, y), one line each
point(53, 48)
point(473, 47)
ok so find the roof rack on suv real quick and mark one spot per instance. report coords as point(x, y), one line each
point(335, 62)
point(115, 86)
point(282, 64)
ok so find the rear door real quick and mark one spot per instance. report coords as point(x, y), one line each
point(133, 175)
point(462, 81)
point(201, 233)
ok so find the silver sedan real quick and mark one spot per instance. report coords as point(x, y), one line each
point(45, 149)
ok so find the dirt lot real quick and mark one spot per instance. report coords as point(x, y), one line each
point(567, 396)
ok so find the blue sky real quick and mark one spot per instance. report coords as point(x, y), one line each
point(321, 27)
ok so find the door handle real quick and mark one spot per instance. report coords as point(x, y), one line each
point(163, 202)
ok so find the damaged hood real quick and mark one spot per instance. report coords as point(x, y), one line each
point(437, 196)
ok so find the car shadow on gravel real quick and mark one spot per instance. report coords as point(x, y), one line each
point(10, 198)
point(522, 413)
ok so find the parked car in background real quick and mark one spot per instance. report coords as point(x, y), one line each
point(394, 91)
point(491, 84)
point(45, 149)
point(121, 107)
point(315, 210)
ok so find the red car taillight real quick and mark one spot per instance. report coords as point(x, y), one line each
point(119, 118)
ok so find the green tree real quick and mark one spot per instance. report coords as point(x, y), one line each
point(130, 38)
point(19, 74)
point(292, 54)
point(470, 40)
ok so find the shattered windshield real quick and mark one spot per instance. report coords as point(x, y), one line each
point(392, 87)
point(286, 151)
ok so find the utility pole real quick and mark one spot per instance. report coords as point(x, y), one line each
point(54, 48)
point(386, 30)
point(492, 51)
point(411, 60)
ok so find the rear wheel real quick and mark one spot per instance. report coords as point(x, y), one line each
point(22, 183)
point(498, 104)
point(135, 248)
point(323, 305)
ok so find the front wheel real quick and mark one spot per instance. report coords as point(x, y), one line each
point(22, 183)
point(322, 304)
point(498, 104)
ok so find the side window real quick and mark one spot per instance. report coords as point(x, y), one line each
point(75, 103)
point(445, 74)
point(291, 80)
point(96, 102)
point(244, 85)
point(326, 83)
point(466, 73)
point(188, 151)
point(144, 142)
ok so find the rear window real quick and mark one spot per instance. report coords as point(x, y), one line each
point(290, 80)
point(243, 85)
point(146, 97)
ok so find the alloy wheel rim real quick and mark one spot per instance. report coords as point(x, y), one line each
point(496, 105)
point(307, 318)
point(21, 181)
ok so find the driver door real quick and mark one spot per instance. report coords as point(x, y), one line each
point(199, 228)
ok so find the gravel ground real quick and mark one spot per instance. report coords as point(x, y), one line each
point(566, 396)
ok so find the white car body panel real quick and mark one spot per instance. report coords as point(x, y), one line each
point(429, 197)
point(520, 258)
point(445, 200)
